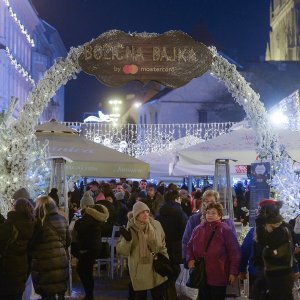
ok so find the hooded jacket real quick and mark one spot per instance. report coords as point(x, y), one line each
point(88, 230)
point(50, 263)
point(143, 276)
point(14, 269)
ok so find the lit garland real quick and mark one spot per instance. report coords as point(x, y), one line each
point(141, 139)
point(22, 159)
point(18, 67)
point(20, 25)
point(20, 137)
point(284, 180)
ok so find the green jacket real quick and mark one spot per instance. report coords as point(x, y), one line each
point(143, 276)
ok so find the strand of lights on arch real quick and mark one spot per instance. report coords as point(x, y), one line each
point(18, 67)
point(20, 25)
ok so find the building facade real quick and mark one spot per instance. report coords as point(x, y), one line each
point(284, 40)
point(28, 47)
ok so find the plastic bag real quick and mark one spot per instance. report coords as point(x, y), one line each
point(296, 290)
point(180, 284)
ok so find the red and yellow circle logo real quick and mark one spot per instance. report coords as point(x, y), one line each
point(130, 69)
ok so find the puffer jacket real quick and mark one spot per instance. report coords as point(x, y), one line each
point(50, 263)
point(143, 276)
point(223, 255)
point(14, 268)
point(88, 230)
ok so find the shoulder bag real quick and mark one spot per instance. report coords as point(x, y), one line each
point(197, 275)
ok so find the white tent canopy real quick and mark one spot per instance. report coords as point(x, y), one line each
point(237, 145)
point(86, 158)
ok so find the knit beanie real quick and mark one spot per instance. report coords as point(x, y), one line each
point(139, 207)
point(86, 200)
point(21, 193)
point(119, 196)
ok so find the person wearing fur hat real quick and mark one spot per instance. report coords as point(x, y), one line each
point(49, 252)
point(143, 236)
point(88, 234)
point(273, 251)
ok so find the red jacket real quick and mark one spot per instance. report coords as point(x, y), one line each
point(223, 255)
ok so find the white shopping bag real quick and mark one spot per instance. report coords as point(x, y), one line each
point(181, 288)
point(296, 290)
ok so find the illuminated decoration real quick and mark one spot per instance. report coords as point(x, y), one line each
point(18, 67)
point(18, 140)
point(278, 118)
point(33, 172)
point(20, 25)
point(102, 118)
point(141, 139)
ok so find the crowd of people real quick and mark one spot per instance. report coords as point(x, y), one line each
point(36, 236)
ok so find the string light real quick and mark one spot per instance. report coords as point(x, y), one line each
point(20, 25)
point(140, 139)
point(18, 67)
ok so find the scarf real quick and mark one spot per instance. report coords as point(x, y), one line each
point(147, 241)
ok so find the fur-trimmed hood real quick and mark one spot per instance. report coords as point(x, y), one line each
point(96, 214)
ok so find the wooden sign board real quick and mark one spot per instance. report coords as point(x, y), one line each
point(172, 58)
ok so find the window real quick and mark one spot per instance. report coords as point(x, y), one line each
point(145, 119)
point(156, 118)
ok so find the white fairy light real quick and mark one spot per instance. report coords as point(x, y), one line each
point(20, 25)
point(18, 67)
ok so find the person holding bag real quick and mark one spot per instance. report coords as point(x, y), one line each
point(143, 236)
point(214, 246)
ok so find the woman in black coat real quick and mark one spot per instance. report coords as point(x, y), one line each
point(87, 231)
point(173, 221)
point(15, 235)
point(50, 262)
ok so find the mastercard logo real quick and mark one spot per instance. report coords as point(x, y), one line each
point(130, 69)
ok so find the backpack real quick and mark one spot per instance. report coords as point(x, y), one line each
point(279, 259)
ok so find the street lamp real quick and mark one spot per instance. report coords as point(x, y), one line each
point(115, 110)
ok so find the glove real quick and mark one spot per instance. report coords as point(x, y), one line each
point(126, 234)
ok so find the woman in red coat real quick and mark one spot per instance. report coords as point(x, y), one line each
point(222, 257)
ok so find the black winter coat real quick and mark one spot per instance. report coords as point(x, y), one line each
point(173, 220)
point(50, 263)
point(14, 268)
point(88, 231)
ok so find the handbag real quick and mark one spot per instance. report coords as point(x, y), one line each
point(162, 265)
point(197, 275)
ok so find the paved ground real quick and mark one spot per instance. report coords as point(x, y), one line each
point(105, 288)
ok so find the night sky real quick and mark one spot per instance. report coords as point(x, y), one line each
point(239, 28)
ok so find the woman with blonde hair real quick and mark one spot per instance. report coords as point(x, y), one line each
point(50, 263)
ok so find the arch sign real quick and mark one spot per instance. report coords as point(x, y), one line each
point(172, 59)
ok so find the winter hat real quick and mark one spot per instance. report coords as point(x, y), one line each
point(269, 211)
point(139, 207)
point(119, 196)
point(86, 200)
point(21, 193)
